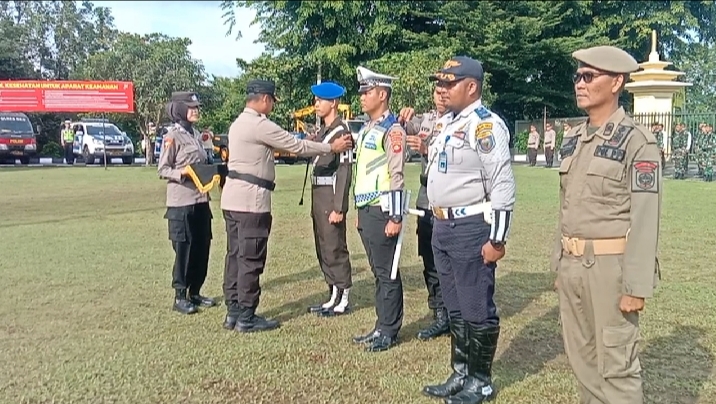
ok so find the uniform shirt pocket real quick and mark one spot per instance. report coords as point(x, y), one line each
point(453, 148)
point(621, 345)
point(605, 179)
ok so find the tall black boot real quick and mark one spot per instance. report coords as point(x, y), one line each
point(248, 321)
point(232, 314)
point(440, 326)
point(458, 361)
point(478, 387)
point(182, 304)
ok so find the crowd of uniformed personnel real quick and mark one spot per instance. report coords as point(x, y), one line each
point(604, 248)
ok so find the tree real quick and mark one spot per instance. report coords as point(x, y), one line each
point(156, 64)
point(698, 61)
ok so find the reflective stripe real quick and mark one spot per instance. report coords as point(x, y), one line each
point(322, 180)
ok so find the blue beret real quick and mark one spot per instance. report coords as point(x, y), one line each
point(328, 90)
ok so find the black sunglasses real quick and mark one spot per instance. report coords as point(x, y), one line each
point(587, 76)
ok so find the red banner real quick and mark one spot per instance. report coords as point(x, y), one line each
point(67, 96)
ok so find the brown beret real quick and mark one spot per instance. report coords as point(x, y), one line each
point(607, 58)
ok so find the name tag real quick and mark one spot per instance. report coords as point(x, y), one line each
point(442, 162)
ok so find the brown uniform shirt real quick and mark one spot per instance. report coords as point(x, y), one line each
point(338, 165)
point(611, 187)
point(252, 140)
point(180, 149)
point(549, 138)
point(533, 140)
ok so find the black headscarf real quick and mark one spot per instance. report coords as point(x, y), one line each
point(178, 113)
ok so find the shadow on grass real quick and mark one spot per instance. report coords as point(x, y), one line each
point(676, 367)
point(72, 218)
point(314, 272)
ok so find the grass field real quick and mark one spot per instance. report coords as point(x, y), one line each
point(85, 314)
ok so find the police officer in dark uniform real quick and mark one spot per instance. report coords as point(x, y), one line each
point(330, 186)
point(246, 201)
point(188, 211)
point(471, 190)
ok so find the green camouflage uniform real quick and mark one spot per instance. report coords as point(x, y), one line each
point(709, 155)
point(680, 154)
point(699, 152)
point(660, 142)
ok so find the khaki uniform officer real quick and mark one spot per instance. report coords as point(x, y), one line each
point(246, 201)
point(330, 186)
point(605, 247)
point(188, 211)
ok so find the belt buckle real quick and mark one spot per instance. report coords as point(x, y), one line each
point(437, 212)
point(570, 244)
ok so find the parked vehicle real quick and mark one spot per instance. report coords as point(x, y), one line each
point(17, 137)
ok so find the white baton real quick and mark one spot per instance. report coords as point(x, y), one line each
point(399, 245)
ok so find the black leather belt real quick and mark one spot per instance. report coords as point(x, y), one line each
point(252, 179)
point(423, 180)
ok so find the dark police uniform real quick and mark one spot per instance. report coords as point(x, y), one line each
point(330, 186)
point(427, 129)
point(471, 189)
point(246, 203)
point(188, 212)
point(378, 193)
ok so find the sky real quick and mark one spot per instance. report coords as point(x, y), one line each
point(199, 21)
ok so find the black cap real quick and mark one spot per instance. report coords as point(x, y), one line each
point(262, 87)
point(187, 97)
point(458, 68)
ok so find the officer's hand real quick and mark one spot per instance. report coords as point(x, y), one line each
point(392, 229)
point(356, 222)
point(335, 218)
point(342, 144)
point(630, 304)
point(185, 170)
point(415, 143)
point(490, 254)
point(406, 114)
point(556, 284)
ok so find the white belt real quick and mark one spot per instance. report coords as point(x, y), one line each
point(322, 180)
point(484, 208)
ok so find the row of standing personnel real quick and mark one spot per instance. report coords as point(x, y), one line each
point(610, 188)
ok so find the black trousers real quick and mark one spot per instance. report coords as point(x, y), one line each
point(380, 250)
point(69, 155)
point(532, 156)
point(468, 285)
point(247, 237)
point(549, 156)
point(190, 233)
point(425, 250)
point(330, 239)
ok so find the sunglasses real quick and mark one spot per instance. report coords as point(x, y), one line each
point(588, 77)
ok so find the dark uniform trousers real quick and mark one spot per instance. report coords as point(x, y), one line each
point(532, 156)
point(425, 250)
point(69, 155)
point(549, 156)
point(247, 237)
point(380, 250)
point(330, 239)
point(190, 233)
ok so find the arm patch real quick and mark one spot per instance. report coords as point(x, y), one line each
point(645, 176)
point(396, 141)
point(484, 138)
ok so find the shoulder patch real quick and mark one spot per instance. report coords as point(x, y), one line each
point(483, 112)
point(484, 138)
point(168, 140)
point(645, 176)
point(396, 140)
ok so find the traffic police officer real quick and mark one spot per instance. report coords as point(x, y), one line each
point(471, 189)
point(421, 134)
point(188, 212)
point(67, 137)
point(378, 193)
point(330, 186)
point(246, 201)
point(606, 242)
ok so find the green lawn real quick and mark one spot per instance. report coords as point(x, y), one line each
point(85, 314)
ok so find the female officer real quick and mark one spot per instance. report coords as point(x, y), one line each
point(188, 209)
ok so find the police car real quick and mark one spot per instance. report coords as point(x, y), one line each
point(17, 137)
point(94, 137)
point(206, 141)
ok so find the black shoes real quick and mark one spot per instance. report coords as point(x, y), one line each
point(182, 304)
point(376, 341)
point(439, 327)
point(202, 301)
point(473, 351)
point(248, 321)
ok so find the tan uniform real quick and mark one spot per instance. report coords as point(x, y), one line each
point(246, 199)
point(606, 244)
point(549, 142)
point(532, 146)
point(180, 149)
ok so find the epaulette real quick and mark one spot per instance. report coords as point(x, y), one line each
point(389, 121)
point(483, 112)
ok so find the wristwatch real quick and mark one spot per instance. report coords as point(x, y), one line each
point(397, 219)
point(497, 245)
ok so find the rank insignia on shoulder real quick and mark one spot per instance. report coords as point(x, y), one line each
point(483, 112)
point(484, 138)
point(645, 176)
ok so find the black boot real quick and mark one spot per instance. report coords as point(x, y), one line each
point(201, 301)
point(440, 326)
point(248, 321)
point(478, 387)
point(332, 301)
point(182, 304)
point(458, 361)
point(232, 314)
